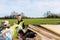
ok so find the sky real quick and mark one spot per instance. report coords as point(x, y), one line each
point(31, 8)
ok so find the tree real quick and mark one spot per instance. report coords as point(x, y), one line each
point(13, 14)
point(22, 14)
point(51, 15)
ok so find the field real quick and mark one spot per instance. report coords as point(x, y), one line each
point(35, 21)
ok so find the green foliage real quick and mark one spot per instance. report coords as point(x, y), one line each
point(36, 21)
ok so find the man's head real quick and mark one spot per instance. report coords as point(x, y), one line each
point(19, 17)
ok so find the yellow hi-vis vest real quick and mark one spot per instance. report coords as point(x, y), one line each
point(20, 24)
point(13, 29)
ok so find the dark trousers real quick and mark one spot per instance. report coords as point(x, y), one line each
point(28, 34)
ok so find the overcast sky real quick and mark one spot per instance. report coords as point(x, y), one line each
point(32, 8)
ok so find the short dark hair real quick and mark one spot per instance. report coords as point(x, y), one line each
point(19, 15)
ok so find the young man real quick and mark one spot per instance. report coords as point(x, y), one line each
point(21, 27)
point(20, 21)
point(22, 31)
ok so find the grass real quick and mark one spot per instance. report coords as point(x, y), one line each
point(35, 21)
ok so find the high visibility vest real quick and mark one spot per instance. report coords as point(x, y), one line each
point(13, 29)
point(20, 24)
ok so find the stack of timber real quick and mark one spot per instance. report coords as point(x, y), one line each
point(46, 32)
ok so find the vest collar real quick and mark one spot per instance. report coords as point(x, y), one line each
point(20, 21)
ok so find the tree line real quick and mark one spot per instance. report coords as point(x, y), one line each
point(14, 14)
point(49, 14)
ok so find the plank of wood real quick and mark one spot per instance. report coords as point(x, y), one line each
point(44, 32)
point(54, 28)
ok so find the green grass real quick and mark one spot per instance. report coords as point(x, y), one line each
point(36, 21)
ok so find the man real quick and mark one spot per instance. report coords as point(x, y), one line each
point(20, 21)
point(21, 27)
